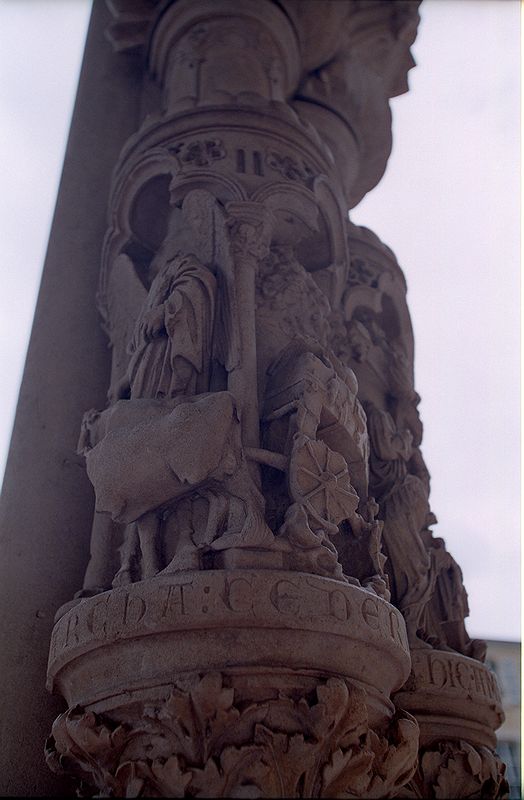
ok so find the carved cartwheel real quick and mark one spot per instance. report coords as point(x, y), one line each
point(319, 480)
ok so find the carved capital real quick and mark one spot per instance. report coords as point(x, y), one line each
point(210, 739)
point(250, 226)
point(457, 704)
point(455, 768)
point(262, 438)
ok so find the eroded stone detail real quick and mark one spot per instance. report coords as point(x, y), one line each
point(200, 152)
point(457, 769)
point(371, 333)
point(452, 697)
point(222, 600)
point(445, 671)
point(261, 494)
point(204, 740)
point(289, 167)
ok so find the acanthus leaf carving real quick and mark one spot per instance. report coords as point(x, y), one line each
point(202, 741)
point(456, 768)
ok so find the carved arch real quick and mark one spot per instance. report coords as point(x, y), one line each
point(138, 186)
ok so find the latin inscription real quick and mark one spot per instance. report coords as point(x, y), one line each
point(227, 598)
point(447, 672)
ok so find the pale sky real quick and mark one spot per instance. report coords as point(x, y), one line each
point(448, 206)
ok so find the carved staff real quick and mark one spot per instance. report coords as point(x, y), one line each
point(233, 243)
point(250, 227)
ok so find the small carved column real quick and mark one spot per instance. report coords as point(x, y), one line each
point(234, 635)
point(250, 230)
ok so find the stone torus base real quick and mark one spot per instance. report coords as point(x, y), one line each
point(457, 704)
point(232, 684)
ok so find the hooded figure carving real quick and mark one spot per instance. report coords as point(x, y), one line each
point(171, 343)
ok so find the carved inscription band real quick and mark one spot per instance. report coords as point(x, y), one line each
point(268, 615)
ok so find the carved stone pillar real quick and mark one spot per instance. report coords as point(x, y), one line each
point(451, 693)
point(457, 703)
point(234, 636)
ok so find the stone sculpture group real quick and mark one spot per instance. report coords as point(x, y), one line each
point(266, 611)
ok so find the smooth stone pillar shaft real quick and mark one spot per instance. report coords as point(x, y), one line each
point(47, 502)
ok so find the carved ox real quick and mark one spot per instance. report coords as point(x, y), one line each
point(150, 453)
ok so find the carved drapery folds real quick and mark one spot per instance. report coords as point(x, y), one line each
point(261, 554)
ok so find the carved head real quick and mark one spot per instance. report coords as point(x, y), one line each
point(380, 35)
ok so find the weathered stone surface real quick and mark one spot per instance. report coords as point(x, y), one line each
point(187, 621)
point(455, 768)
point(451, 694)
point(308, 738)
point(265, 611)
point(259, 698)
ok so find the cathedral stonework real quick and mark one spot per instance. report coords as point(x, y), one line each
point(266, 610)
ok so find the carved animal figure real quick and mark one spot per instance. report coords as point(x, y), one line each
point(149, 453)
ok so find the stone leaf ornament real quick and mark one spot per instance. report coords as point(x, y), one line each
point(201, 741)
point(457, 769)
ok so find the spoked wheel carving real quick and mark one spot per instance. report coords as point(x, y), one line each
point(319, 480)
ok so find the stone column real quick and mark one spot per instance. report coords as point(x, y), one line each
point(46, 508)
point(227, 651)
point(234, 634)
point(451, 693)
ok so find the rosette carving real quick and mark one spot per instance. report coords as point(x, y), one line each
point(205, 740)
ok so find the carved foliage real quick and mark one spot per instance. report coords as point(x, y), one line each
point(200, 152)
point(203, 741)
point(457, 769)
point(289, 167)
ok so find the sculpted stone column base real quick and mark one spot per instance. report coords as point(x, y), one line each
point(232, 684)
point(456, 701)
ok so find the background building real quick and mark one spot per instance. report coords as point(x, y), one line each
point(504, 659)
